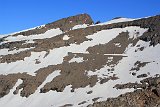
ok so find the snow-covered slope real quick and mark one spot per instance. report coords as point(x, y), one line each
point(76, 67)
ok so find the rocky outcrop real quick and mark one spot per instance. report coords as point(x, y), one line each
point(146, 97)
point(139, 65)
point(139, 98)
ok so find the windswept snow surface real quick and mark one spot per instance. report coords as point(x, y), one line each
point(103, 91)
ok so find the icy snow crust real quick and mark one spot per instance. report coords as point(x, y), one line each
point(104, 91)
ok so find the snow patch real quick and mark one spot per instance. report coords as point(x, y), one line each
point(79, 26)
point(116, 21)
point(117, 44)
point(66, 37)
point(6, 51)
point(76, 59)
point(47, 34)
point(49, 79)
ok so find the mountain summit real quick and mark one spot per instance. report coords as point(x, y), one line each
point(74, 62)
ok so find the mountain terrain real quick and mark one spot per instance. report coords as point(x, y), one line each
point(74, 62)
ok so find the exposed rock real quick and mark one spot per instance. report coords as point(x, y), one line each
point(97, 22)
point(117, 18)
point(139, 65)
point(89, 92)
point(82, 102)
point(142, 76)
point(95, 99)
point(133, 73)
point(104, 80)
point(111, 48)
point(129, 85)
point(67, 105)
point(139, 98)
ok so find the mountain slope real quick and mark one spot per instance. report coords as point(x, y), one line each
point(73, 62)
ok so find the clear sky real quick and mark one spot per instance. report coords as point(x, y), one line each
point(16, 15)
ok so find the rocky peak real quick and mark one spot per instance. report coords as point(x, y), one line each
point(64, 24)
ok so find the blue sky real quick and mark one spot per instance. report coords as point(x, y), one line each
point(16, 15)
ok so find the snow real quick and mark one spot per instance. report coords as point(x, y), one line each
point(116, 21)
point(47, 34)
point(117, 44)
point(49, 79)
point(27, 65)
point(79, 26)
point(6, 51)
point(66, 37)
point(24, 30)
point(77, 59)
point(11, 98)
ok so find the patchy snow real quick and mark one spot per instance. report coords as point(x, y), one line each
point(56, 99)
point(76, 59)
point(117, 44)
point(49, 79)
point(104, 91)
point(10, 99)
point(29, 41)
point(136, 32)
point(29, 66)
point(6, 51)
